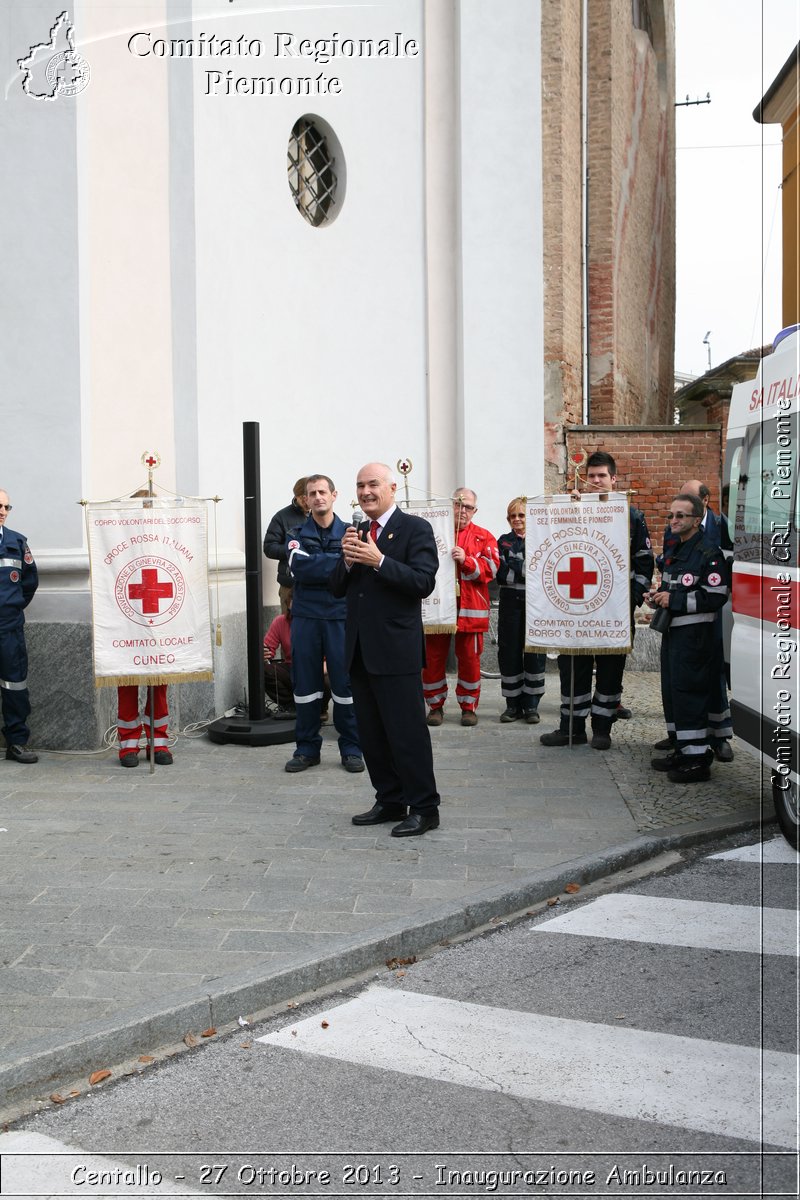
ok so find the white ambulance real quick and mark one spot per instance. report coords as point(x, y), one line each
point(761, 469)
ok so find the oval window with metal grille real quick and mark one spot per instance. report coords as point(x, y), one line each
point(315, 167)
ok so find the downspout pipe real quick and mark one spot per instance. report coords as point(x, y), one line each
point(585, 390)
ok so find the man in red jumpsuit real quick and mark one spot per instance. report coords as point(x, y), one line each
point(130, 725)
point(476, 557)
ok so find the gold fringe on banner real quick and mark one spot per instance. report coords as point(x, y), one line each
point(440, 629)
point(551, 648)
point(152, 680)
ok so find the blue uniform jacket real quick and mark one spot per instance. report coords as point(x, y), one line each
point(19, 579)
point(511, 571)
point(696, 578)
point(313, 553)
point(642, 562)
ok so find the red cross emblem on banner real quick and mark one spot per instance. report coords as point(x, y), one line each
point(576, 578)
point(151, 591)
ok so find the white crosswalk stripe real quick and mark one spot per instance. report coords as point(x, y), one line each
point(776, 851)
point(668, 922)
point(708, 1086)
point(713, 1087)
point(36, 1165)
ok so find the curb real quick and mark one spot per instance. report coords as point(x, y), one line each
point(42, 1063)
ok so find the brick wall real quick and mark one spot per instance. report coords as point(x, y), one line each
point(561, 154)
point(631, 197)
point(655, 461)
point(631, 214)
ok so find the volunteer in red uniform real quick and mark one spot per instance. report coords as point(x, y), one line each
point(477, 559)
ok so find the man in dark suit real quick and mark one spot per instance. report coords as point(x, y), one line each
point(388, 566)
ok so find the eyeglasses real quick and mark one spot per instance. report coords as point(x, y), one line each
point(516, 516)
point(680, 516)
point(466, 507)
point(6, 507)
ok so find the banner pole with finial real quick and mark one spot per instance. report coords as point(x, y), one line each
point(577, 458)
point(151, 459)
point(405, 467)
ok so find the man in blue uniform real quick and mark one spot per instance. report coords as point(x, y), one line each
point(318, 618)
point(19, 580)
point(714, 528)
point(694, 587)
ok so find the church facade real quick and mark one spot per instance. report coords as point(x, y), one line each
point(434, 230)
point(327, 219)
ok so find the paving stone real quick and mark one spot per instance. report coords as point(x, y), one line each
point(288, 945)
point(57, 1012)
point(73, 897)
point(439, 889)
point(126, 986)
point(29, 981)
point(100, 958)
point(389, 904)
point(277, 919)
point(12, 948)
point(276, 901)
point(121, 914)
point(19, 916)
point(215, 963)
point(161, 939)
point(166, 879)
point(45, 933)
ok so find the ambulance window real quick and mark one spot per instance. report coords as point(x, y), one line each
point(734, 466)
point(767, 486)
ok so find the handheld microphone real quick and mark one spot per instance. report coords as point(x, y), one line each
point(357, 518)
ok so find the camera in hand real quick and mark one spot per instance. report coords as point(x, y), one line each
point(661, 620)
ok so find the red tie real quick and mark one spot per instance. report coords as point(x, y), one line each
point(374, 530)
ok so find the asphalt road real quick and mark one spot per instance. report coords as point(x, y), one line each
point(637, 1038)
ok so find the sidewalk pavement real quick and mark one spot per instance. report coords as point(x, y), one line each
point(138, 907)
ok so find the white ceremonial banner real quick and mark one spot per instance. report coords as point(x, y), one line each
point(148, 562)
point(440, 609)
point(577, 574)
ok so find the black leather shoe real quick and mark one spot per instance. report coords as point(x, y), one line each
point(378, 814)
point(353, 764)
point(665, 744)
point(559, 738)
point(601, 741)
point(666, 764)
point(622, 713)
point(162, 758)
point(282, 714)
point(300, 762)
point(691, 774)
point(511, 714)
point(129, 760)
point(531, 716)
point(416, 823)
point(723, 751)
point(21, 754)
